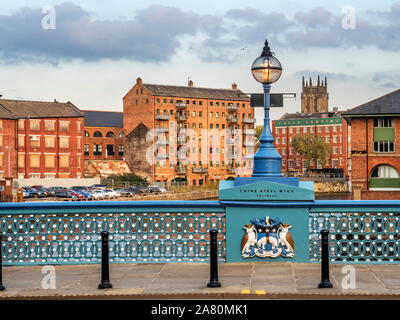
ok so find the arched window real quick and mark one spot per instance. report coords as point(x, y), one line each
point(97, 134)
point(86, 134)
point(110, 134)
point(121, 134)
point(384, 176)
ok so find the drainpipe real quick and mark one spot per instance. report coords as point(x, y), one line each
point(366, 145)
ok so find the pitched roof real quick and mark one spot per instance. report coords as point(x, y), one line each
point(103, 118)
point(387, 104)
point(22, 109)
point(196, 92)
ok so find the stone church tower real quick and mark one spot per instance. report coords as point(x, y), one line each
point(314, 98)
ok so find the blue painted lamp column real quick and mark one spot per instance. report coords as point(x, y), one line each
point(267, 161)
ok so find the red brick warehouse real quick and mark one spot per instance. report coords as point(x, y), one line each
point(43, 139)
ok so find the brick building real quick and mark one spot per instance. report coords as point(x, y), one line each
point(40, 139)
point(330, 125)
point(104, 143)
point(203, 134)
point(375, 128)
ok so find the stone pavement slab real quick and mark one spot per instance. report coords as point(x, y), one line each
point(189, 280)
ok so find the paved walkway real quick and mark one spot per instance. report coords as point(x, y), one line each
point(189, 280)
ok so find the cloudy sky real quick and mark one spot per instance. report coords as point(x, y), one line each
point(90, 52)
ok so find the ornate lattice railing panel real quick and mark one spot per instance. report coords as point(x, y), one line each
point(357, 237)
point(69, 238)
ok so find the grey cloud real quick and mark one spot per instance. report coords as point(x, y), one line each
point(330, 75)
point(153, 35)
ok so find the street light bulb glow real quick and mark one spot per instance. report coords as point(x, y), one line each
point(266, 69)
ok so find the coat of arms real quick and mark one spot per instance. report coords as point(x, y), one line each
point(267, 237)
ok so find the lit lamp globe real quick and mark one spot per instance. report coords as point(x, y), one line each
point(266, 68)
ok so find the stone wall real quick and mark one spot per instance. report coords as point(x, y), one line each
point(339, 186)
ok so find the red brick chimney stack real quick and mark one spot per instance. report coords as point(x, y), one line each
point(139, 80)
point(234, 86)
point(190, 83)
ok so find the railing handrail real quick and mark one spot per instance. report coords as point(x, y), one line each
point(34, 208)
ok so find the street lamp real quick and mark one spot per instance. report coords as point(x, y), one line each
point(267, 161)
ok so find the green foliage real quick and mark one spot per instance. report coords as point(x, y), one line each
point(128, 178)
point(312, 147)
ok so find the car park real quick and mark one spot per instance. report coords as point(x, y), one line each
point(85, 194)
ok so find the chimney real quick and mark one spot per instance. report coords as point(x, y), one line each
point(139, 80)
point(190, 83)
point(55, 100)
point(234, 86)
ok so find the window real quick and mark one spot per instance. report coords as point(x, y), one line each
point(1, 141)
point(298, 130)
point(290, 164)
point(383, 122)
point(34, 141)
point(64, 142)
point(34, 160)
point(383, 146)
point(97, 134)
point(1, 124)
point(194, 113)
point(110, 134)
point(64, 161)
point(97, 149)
point(121, 134)
point(21, 141)
point(86, 149)
point(121, 150)
point(319, 129)
point(34, 125)
point(64, 126)
point(49, 142)
point(21, 124)
point(49, 125)
point(21, 160)
point(110, 149)
point(49, 160)
point(211, 114)
point(86, 134)
point(283, 130)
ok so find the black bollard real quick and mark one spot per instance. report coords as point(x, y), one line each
point(213, 283)
point(1, 264)
point(325, 283)
point(105, 272)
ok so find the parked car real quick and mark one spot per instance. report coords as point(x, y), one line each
point(79, 188)
point(140, 189)
point(123, 192)
point(100, 186)
point(97, 194)
point(54, 189)
point(27, 193)
point(85, 194)
point(64, 193)
point(75, 193)
point(154, 189)
point(42, 191)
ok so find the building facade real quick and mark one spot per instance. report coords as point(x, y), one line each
point(198, 135)
point(40, 139)
point(314, 98)
point(375, 149)
point(329, 125)
point(104, 143)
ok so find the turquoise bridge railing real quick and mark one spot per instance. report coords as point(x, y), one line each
point(140, 231)
point(178, 231)
point(359, 231)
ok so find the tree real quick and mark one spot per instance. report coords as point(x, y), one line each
point(128, 178)
point(312, 147)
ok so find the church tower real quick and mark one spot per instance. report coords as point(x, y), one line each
point(314, 98)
